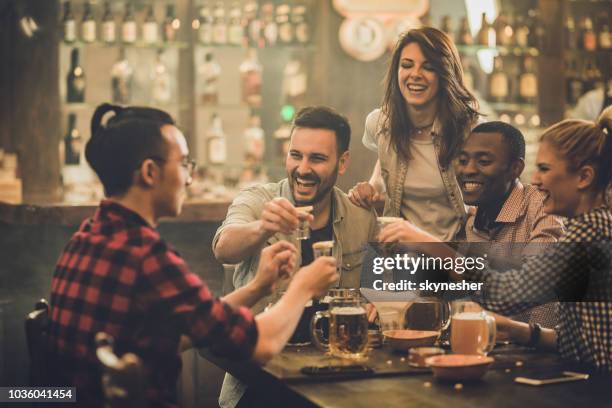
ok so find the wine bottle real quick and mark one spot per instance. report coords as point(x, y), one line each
point(72, 143)
point(88, 25)
point(216, 146)
point(205, 32)
point(254, 141)
point(528, 81)
point(571, 37)
point(464, 35)
point(589, 38)
point(503, 30)
point(109, 29)
point(122, 74)
point(498, 85)
point(486, 34)
point(209, 73)
point(605, 37)
point(171, 24)
point(161, 88)
point(69, 24)
point(150, 28)
point(129, 32)
point(446, 25)
point(251, 76)
point(254, 23)
point(75, 82)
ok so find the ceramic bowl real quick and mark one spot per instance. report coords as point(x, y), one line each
point(459, 366)
point(402, 340)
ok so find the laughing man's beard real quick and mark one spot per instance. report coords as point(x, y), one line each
point(321, 194)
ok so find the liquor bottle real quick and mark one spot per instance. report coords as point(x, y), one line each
point(129, 31)
point(285, 28)
point(75, 81)
point(270, 30)
point(503, 30)
point(72, 143)
point(69, 24)
point(219, 25)
point(171, 25)
point(254, 23)
point(150, 28)
point(605, 37)
point(575, 85)
point(122, 74)
point(216, 146)
point(209, 73)
point(446, 25)
point(498, 85)
point(536, 30)
point(88, 25)
point(591, 74)
point(250, 76)
point(486, 34)
point(571, 36)
point(109, 29)
point(589, 38)
point(205, 32)
point(254, 141)
point(464, 35)
point(161, 83)
point(528, 82)
point(521, 33)
point(468, 76)
point(300, 23)
point(236, 29)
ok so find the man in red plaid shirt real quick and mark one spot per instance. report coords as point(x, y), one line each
point(118, 276)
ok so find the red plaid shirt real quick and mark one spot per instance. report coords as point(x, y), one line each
point(118, 276)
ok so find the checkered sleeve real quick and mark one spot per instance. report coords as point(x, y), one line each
point(553, 275)
point(208, 321)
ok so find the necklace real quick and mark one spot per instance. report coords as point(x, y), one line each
point(421, 129)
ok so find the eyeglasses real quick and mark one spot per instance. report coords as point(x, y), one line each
point(186, 162)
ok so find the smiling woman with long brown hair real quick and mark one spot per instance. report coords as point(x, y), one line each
point(426, 113)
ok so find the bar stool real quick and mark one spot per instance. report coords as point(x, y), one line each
point(123, 379)
point(36, 327)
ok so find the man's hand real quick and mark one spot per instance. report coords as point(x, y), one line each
point(279, 215)
point(276, 263)
point(364, 195)
point(317, 277)
point(404, 231)
point(372, 313)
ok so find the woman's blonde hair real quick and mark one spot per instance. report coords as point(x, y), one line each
point(582, 142)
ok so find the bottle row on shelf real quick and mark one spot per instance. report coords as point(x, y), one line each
point(247, 26)
point(583, 34)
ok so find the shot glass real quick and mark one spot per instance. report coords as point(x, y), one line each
point(303, 230)
point(322, 248)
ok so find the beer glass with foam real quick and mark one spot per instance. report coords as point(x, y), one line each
point(472, 329)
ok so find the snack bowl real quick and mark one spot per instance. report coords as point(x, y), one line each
point(402, 340)
point(459, 366)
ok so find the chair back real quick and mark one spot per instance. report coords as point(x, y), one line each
point(123, 379)
point(37, 330)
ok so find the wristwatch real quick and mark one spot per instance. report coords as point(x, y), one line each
point(534, 334)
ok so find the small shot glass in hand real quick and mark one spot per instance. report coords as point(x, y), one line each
point(322, 248)
point(303, 230)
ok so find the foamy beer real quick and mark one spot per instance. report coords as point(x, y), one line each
point(303, 229)
point(348, 329)
point(322, 248)
point(472, 329)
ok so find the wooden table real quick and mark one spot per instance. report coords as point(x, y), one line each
point(280, 383)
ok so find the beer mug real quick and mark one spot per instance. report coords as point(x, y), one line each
point(473, 330)
point(348, 329)
point(427, 314)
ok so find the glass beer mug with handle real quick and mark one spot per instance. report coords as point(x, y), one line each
point(473, 330)
point(348, 329)
point(427, 313)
